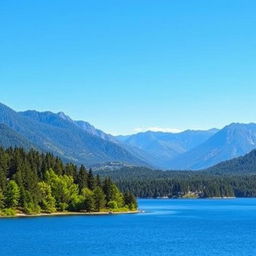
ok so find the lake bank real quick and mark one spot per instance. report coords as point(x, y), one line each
point(24, 215)
point(192, 198)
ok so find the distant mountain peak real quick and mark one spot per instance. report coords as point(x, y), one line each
point(233, 140)
point(240, 125)
point(64, 116)
point(161, 147)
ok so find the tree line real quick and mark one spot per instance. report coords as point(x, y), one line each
point(147, 183)
point(33, 182)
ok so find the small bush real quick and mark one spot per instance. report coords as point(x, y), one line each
point(63, 207)
point(8, 212)
point(112, 205)
point(30, 208)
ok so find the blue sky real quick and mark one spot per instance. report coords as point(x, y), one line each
point(132, 64)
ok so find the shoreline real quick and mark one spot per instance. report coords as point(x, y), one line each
point(55, 214)
point(186, 198)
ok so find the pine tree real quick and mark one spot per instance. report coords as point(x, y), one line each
point(82, 178)
point(130, 201)
point(1, 200)
point(3, 169)
point(89, 201)
point(91, 181)
point(107, 189)
point(29, 182)
point(99, 198)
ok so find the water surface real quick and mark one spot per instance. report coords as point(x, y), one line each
point(169, 227)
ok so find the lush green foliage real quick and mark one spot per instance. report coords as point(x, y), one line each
point(12, 195)
point(32, 182)
point(146, 183)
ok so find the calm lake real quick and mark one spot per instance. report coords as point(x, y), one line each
point(169, 227)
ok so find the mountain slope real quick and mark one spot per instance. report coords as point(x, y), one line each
point(63, 137)
point(232, 141)
point(96, 132)
point(77, 142)
point(240, 165)
point(10, 138)
point(159, 148)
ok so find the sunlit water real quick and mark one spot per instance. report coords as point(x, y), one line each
point(168, 227)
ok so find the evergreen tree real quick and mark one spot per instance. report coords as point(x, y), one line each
point(107, 189)
point(30, 183)
point(1, 200)
point(116, 196)
point(3, 169)
point(98, 181)
point(130, 201)
point(91, 181)
point(12, 195)
point(99, 198)
point(82, 178)
point(89, 200)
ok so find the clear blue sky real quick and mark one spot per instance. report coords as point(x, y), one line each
point(129, 64)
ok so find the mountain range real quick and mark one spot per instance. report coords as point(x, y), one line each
point(232, 141)
point(160, 147)
point(58, 134)
point(80, 142)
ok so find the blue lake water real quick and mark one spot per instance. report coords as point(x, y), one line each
point(169, 227)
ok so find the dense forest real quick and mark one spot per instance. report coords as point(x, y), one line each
point(240, 165)
point(147, 183)
point(33, 182)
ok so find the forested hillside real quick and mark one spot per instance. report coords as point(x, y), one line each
point(147, 183)
point(32, 182)
point(10, 138)
point(240, 165)
point(60, 135)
